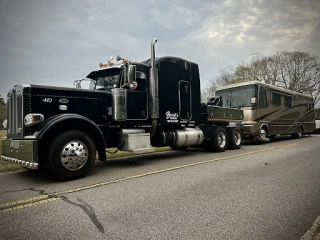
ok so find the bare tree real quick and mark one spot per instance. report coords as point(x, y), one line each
point(243, 73)
point(226, 76)
point(297, 71)
point(207, 93)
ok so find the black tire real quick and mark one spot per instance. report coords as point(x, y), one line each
point(218, 140)
point(63, 162)
point(299, 134)
point(234, 138)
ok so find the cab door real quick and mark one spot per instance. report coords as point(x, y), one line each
point(137, 101)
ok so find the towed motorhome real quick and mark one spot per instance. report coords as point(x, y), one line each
point(269, 110)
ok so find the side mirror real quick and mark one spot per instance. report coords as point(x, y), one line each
point(253, 101)
point(132, 73)
point(77, 84)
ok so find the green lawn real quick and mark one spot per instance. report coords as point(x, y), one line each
point(10, 167)
point(4, 165)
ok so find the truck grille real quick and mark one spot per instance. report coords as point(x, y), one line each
point(15, 120)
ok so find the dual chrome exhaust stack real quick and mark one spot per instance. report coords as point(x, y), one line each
point(153, 90)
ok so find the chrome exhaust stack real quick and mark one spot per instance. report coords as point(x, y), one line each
point(153, 90)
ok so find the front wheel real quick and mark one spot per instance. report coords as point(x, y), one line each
point(263, 135)
point(218, 140)
point(71, 155)
point(234, 138)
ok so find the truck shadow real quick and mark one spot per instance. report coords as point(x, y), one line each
point(277, 139)
point(147, 159)
point(35, 177)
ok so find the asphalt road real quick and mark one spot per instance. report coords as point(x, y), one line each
point(269, 191)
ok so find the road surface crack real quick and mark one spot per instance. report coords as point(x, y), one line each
point(88, 210)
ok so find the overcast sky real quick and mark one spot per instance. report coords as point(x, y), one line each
point(57, 42)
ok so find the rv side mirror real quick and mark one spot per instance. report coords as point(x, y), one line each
point(132, 73)
point(253, 101)
point(77, 84)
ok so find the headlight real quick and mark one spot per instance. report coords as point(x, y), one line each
point(5, 123)
point(32, 119)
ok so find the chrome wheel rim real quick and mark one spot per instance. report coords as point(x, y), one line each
point(74, 155)
point(263, 133)
point(222, 140)
point(237, 138)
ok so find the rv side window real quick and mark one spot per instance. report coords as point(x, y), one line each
point(287, 101)
point(309, 106)
point(276, 99)
point(263, 97)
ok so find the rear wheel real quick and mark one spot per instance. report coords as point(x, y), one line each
point(218, 140)
point(299, 134)
point(234, 138)
point(71, 155)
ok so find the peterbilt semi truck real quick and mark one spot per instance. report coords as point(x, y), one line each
point(132, 106)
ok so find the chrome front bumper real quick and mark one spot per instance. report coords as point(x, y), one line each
point(22, 152)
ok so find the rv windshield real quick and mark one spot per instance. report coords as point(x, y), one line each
point(105, 79)
point(238, 97)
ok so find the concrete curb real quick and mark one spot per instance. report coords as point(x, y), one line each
point(314, 232)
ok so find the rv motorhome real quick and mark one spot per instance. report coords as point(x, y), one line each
point(269, 110)
point(317, 131)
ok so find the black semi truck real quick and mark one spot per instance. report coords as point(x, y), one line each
point(133, 106)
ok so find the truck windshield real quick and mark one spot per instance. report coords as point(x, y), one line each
point(105, 79)
point(237, 97)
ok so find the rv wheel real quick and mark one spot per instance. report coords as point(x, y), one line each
point(299, 134)
point(218, 140)
point(234, 138)
point(263, 134)
point(71, 155)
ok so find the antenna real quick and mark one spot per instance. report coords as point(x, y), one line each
point(127, 48)
point(127, 42)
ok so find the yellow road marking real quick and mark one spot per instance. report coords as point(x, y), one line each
point(28, 205)
point(289, 145)
point(19, 204)
point(24, 201)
